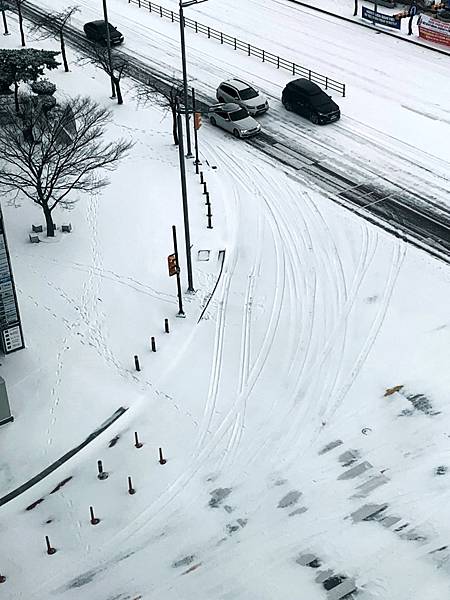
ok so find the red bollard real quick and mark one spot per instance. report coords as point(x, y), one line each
point(162, 460)
point(50, 549)
point(94, 519)
point(137, 443)
point(131, 489)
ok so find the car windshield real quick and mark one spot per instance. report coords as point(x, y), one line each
point(238, 115)
point(319, 99)
point(248, 94)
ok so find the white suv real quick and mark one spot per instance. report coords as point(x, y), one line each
point(242, 93)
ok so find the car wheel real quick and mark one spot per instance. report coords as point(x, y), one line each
point(220, 99)
point(212, 121)
point(314, 118)
point(236, 133)
point(288, 106)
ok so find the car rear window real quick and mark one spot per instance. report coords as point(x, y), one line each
point(238, 115)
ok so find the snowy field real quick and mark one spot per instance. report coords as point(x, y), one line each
point(286, 442)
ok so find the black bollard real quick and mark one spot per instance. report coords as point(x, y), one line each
point(94, 519)
point(166, 325)
point(137, 443)
point(162, 460)
point(153, 343)
point(201, 177)
point(101, 473)
point(136, 362)
point(209, 226)
point(50, 549)
point(207, 198)
point(131, 489)
point(2, 579)
point(205, 191)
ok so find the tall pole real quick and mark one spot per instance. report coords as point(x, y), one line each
point(197, 162)
point(175, 251)
point(5, 24)
point(187, 236)
point(108, 46)
point(185, 85)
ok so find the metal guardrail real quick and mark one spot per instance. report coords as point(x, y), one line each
point(249, 49)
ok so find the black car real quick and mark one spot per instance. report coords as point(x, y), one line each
point(309, 100)
point(96, 31)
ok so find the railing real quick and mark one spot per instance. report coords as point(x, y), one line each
point(249, 49)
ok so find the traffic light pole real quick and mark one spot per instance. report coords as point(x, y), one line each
point(197, 162)
point(181, 312)
point(187, 235)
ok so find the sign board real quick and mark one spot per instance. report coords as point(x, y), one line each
point(380, 18)
point(11, 337)
point(172, 264)
point(434, 30)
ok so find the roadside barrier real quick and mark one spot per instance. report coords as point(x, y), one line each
point(249, 49)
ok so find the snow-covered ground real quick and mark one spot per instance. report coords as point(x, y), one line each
point(272, 410)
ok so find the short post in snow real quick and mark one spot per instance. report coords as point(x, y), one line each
point(131, 489)
point(166, 325)
point(101, 473)
point(153, 344)
point(162, 460)
point(2, 579)
point(50, 549)
point(94, 520)
point(207, 199)
point(201, 177)
point(137, 443)
point(209, 215)
point(205, 189)
point(355, 12)
point(137, 366)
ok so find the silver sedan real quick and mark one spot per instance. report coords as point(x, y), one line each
point(234, 118)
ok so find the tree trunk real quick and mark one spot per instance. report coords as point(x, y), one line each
point(48, 220)
point(16, 96)
point(118, 91)
point(63, 52)
point(19, 12)
point(174, 125)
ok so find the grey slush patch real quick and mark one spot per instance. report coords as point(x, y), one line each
point(367, 512)
point(298, 511)
point(330, 446)
point(356, 470)
point(289, 499)
point(348, 457)
point(218, 495)
point(183, 562)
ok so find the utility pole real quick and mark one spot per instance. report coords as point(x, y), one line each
point(185, 85)
point(108, 46)
point(187, 236)
point(196, 162)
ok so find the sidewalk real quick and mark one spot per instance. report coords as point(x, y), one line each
point(343, 9)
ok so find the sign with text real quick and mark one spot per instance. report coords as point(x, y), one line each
point(172, 264)
point(434, 30)
point(380, 18)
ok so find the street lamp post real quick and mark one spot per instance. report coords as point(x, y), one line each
point(187, 235)
point(108, 46)
point(183, 60)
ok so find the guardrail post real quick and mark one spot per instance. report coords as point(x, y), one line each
point(263, 55)
point(278, 62)
point(309, 74)
point(209, 32)
point(235, 45)
point(326, 83)
point(196, 27)
point(160, 12)
point(293, 68)
point(221, 37)
point(171, 15)
point(343, 90)
point(248, 49)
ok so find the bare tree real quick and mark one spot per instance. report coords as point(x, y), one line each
point(98, 56)
point(53, 25)
point(46, 155)
point(163, 94)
